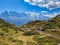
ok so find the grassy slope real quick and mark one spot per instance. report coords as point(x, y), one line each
point(12, 35)
point(51, 27)
point(47, 25)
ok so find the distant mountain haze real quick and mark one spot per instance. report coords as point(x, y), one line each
point(20, 18)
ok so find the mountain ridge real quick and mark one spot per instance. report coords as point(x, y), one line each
point(46, 24)
point(20, 18)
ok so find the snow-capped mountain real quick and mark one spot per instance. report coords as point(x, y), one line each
point(22, 17)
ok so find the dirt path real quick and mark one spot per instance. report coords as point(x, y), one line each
point(25, 38)
point(47, 34)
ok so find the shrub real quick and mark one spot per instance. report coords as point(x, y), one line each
point(31, 43)
point(31, 33)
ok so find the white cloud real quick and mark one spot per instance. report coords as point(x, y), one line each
point(27, 0)
point(36, 16)
point(44, 12)
point(52, 15)
point(33, 15)
point(50, 4)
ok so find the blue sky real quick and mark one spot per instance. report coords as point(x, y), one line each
point(18, 5)
point(30, 5)
point(21, 5)
point(11, 5)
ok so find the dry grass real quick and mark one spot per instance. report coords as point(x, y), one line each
point(25, 38)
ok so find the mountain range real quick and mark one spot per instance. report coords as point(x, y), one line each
point(21, 17)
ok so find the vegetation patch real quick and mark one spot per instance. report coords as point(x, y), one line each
point(29, 33)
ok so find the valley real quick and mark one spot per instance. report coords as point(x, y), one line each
point(37, 32)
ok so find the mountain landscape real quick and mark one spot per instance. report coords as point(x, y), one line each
point(20, 18)
point(29, 22)
point(35, 32)
point(14, 17)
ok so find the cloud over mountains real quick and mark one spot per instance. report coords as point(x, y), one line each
point(24, 17)
point(50, 4)
point(43, 14)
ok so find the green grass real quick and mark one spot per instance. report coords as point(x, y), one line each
point(47, 39)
